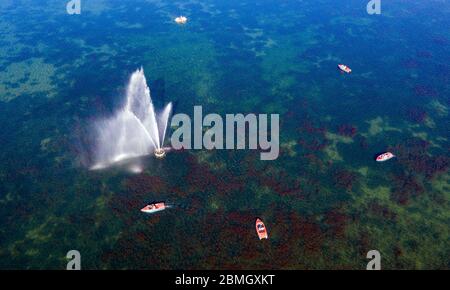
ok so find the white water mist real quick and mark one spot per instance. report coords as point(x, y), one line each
point(134, 130)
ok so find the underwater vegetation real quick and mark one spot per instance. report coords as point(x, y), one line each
point(325, 201)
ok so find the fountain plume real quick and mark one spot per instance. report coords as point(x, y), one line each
point(134, 130)
point(163, 120)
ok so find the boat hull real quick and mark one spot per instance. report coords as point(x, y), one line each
point(344, 68)
point(181, 20)
point(261, 229)
point(154, 207)
point(384, 157)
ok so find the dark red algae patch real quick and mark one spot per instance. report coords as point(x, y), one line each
point(313, 236)
point(201, 178)
point(336, 220)
point(294, 238)
point(312, 138)
point(405, 188)
point(413, 156)
point(347, 130)
point(419, 167)
point(143, 183)
point(381, 211)
point(416, 115)
point(284, 184)
point(344, 179)
point(425, 91)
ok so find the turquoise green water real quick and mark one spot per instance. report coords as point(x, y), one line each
point(325, 202)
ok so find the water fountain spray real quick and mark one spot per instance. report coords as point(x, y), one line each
point(135, 130)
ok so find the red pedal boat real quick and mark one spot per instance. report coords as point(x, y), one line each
point(344, 68)
point(154, 207)
point(181, 20)
point(384, 157)
point(261, 229)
